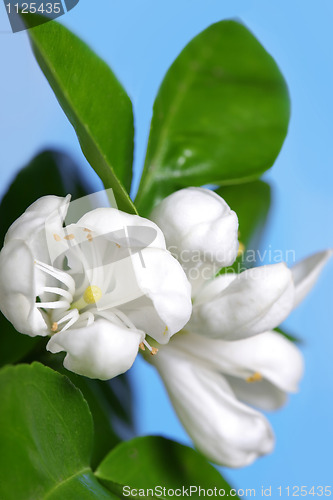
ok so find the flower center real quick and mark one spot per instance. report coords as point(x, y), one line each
point(92, 294)
point(63, 313)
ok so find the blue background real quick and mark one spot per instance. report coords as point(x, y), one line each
point(140, 39)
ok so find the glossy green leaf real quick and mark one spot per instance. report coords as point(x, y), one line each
point(220, 116)
point(109, 403)
point(251, 202)
point(46, 437)
point(42, 176)
point(147, 462)
point(13, 345)
point(94, 101)
point(51, 172)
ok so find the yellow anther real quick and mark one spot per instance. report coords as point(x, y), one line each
point(256, 377)
point(142, 346)
point(166, 330)
point(89, 237)
point(92, 294)
point(57, 237)
point(154, 351)
point(54, 327)
point(241, 249)
point(117, 245)
point(69, 237)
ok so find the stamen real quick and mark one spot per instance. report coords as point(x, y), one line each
point(87, 317)
point(54, 327)
point(256, 377)
point(73, 317)
point(69, 237)
point(59, 304)
point(111, 317)
point(59, 291)
point(57, 237)
point(61, 276)
point(153, 350)
point(142, 346)
point(124, 318)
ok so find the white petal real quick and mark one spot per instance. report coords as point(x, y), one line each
point(163, 281)
point(257, 300)
point(306, 273)
point(199, 229)
point(213, 288)
point(273, 356)
point(18, 289)
point(45, 209)
point(225, 430)
point(128, 230)
point(263, 395)
point(102, 350)
point(269, 354)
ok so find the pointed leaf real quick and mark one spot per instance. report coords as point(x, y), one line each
point(94, 101)
point(45, 437)
point(251, 202)
point(152, 461)
point(109, 403)
point(220, 116)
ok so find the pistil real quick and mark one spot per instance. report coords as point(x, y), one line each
point(91, 295)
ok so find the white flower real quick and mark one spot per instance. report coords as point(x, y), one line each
point(237, 306)
point(200, 230)
point(229, 343)
point(230, 306)
point(209, 384)
point(97, 287)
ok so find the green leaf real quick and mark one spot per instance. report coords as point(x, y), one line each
point(50, 172)
point(46, 437)
point(251, 202)
point(42, 176)
point(94, 101)
point(109, 403)
point(147, 462)
point(220, 116)
point(13, 345)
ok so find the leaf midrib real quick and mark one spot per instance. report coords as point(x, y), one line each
point(81, 123)
point(73, 476)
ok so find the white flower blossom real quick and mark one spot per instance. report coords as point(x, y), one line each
point(200, 230)
point(96, 290)
point(211, 384)
point(227, 356)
